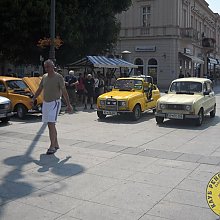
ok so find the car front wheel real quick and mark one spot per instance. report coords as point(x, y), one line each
point(136, 113)
point(5, 120)
point(101, 115)
point(212, 113)
point(159, 120)
point(199, 120)
point(21, 111)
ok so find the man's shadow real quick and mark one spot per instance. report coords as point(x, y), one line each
point(51, 163)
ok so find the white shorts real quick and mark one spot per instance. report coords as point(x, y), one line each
point(50, 111)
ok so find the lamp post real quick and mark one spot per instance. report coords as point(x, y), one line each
point(52, 30)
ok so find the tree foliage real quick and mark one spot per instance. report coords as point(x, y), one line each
point(84, 26)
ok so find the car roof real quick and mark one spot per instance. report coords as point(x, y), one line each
point(192, 79)
point(6, 78)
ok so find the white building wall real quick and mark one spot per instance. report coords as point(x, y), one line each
point(174, 28)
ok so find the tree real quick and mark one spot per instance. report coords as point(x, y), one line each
point(84, 26)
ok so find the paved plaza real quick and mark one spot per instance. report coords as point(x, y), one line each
point(113, 169)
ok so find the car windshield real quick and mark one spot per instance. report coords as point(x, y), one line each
point(16, 85)
point(128, 84)
point(186, 87)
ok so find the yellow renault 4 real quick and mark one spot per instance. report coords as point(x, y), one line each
point(19, 92)
point(129, 96)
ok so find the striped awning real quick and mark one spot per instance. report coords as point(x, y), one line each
point(102, 62)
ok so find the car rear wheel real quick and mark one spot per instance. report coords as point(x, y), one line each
point(136, 115)
point(5, 120)
point(199, 120)
point(21, 111)
point(159, 120)
point(101, 115)
point(212, 113)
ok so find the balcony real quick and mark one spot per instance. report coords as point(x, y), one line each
point(189, 33)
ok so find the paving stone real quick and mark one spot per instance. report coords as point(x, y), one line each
point(169, 155)
point(132, 150)
point(209, 160)
point(176, 211)
point(90, 210)
point(151, 153)
point(17, 210)
point(189, 157)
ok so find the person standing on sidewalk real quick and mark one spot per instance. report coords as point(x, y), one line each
point(71, 82)
point(53, 86)
point(89, 90)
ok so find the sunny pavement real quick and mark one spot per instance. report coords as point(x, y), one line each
point(111, 169)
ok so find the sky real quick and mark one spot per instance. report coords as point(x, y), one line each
point(214, 5)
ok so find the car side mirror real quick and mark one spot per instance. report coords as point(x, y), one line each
point(166, 91)
point(206, 93)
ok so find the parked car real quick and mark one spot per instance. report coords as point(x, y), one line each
point(128, 96)
point(20, 91)
point(187, 98)
point(5, 109)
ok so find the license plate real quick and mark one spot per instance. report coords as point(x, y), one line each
point(109, 113)
point(2, 115)
point(174, 116)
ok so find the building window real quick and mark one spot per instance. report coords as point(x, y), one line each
point(184, 19)
point(146, 15)
point(140, 69)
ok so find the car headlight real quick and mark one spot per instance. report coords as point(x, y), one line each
point(7, 105)
point(188, 107)
point(162, 106)
point(102, 102)
point(122, 103)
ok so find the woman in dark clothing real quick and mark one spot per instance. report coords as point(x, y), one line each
point(89, 84)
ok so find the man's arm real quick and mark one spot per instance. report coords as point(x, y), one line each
point(66, 97)
point(37, 93)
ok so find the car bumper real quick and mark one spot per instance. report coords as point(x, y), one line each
point(172, 115)
point(112, 112)
point(6, 114)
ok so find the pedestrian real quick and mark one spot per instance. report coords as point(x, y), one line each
point(101, 85)
point(71, 83)
point(96, 85)
point(80, 88)
point(89, 90)
point(53, 87)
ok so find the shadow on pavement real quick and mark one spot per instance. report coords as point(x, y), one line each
point(13, 185)
point(186, 124)
point(57, 166)
point(126, 119)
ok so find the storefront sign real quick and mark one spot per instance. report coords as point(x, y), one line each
point(145, 48)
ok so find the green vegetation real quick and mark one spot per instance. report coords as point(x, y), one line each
point(84, 26)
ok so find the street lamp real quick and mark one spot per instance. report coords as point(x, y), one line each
point(52, 30)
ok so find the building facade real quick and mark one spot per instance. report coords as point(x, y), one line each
point(168, 37)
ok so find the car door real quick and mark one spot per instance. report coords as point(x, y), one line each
point(211, 100)
point(206, 98)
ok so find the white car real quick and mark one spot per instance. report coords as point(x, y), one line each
point(187, 98)
point(5, 109)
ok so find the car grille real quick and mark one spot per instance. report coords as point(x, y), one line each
point(111, 104)
point(175, 107)
point(2, 106)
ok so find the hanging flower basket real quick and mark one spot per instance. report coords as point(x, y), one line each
point(46, 42)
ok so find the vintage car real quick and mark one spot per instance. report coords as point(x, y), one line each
point(187, 98)
point(128, 96)
point(19, 92)
point(5, 109)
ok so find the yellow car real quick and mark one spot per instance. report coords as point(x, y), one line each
point(129, 95)
point(19, 92)
point(187, 98)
